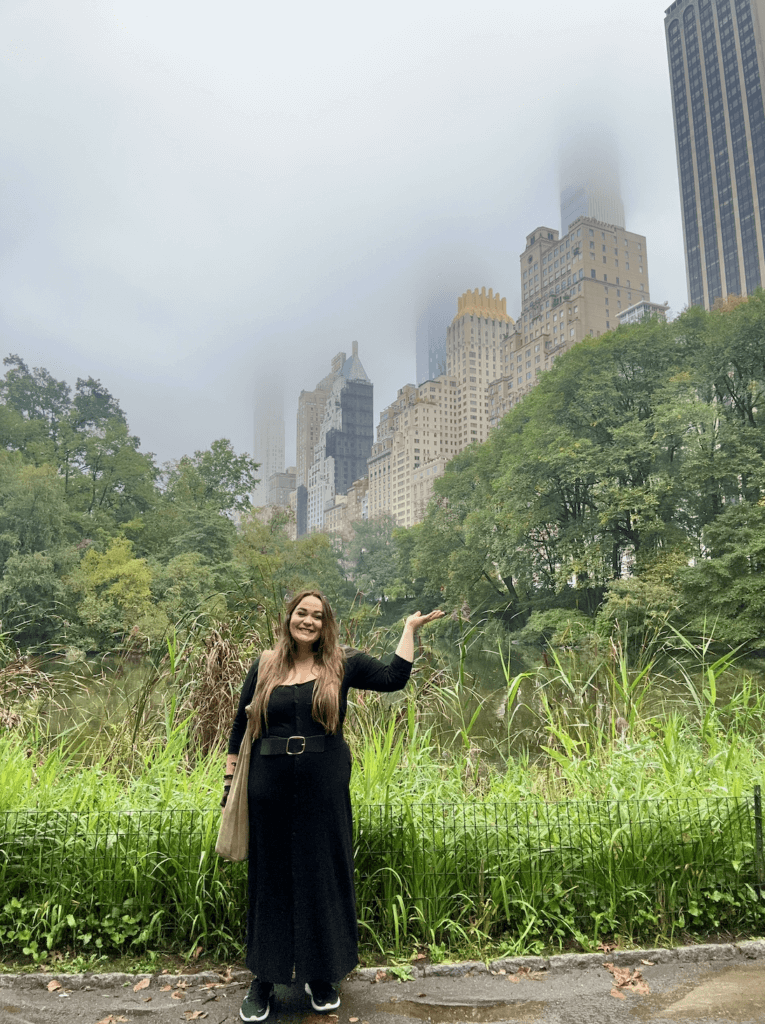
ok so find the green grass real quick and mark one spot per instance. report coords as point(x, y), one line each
point(565, 806)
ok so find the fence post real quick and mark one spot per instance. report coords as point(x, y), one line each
point(759, 868)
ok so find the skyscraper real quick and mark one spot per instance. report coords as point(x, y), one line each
point(474, 343)
point(716, 66)
point(589, 176)
point(345, 439)
point(573, 288)
point(268, 449)
point(431, 337)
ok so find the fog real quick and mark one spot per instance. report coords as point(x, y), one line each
point(199, 199)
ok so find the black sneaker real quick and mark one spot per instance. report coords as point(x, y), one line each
point(323, 996)
point(257, 1002)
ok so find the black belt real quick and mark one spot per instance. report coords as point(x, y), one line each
point(298, 744)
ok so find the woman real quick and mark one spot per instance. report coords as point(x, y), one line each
point(301, 899)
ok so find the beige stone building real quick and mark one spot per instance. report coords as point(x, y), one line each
point(429, 424)
point(348, 509)
point(475, 343)
point(413, 445)
point(280, 486)
point(573, 287)
point(309, 416)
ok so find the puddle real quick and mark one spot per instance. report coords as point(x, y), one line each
point(472, 1013)
point(735, 993)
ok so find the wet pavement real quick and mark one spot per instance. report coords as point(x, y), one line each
point(721, 984)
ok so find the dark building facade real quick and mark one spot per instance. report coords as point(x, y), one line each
point(351, 445)
point(345, 438)
point(717, 67)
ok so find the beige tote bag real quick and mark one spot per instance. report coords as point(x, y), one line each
point(234, 831)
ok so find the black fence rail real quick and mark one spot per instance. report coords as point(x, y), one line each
point(424, 871)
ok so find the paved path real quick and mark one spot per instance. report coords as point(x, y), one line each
point(725, 984)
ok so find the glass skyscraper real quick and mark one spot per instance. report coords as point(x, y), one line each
point(716, 66)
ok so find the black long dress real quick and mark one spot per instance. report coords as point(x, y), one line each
point(300, 886)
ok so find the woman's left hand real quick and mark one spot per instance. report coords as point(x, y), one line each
point(418, 619)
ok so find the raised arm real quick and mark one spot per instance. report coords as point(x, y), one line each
point(405, 647)
point(367, 673)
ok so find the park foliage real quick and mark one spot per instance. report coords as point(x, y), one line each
point(625, 493)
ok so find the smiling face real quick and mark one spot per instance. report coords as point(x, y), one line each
point(306, 621)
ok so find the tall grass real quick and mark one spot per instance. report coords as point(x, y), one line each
point(565, 805)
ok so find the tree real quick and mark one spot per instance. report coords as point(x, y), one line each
point(35, 394)
point(33, 598)
point(371, 557)
point(114, 590)
point(34, 516)
point(724, 593)
point(217, 478)
point(271, 566)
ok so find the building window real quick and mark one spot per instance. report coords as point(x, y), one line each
point(592, 273)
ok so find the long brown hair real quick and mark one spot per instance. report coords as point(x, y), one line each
point(330, 662)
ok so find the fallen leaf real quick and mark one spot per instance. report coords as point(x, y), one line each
point(607, 947)
point(181, 984)
point(166, 970)
point(143, 983)
point(147, 999)
point(618, 993)
point(380, 976)
point(648, 963)
point(54, 986)
point(166, 988)
point(198, 952)
point(227, 977)
point(178, 995)
point(195, 1014)
point(632, 981)
point(353, 1020)
point(419, 956)
point(512, 977)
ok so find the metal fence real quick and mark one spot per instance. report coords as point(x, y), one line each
point(616, 853)
point(432, 861)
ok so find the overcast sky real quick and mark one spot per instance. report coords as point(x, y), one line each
point(197, 196)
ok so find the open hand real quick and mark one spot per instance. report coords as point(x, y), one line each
point(418, 619)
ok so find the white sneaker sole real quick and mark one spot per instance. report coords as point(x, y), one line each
point(326, 1007)
point(253, 1020)
point(250, 1020)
